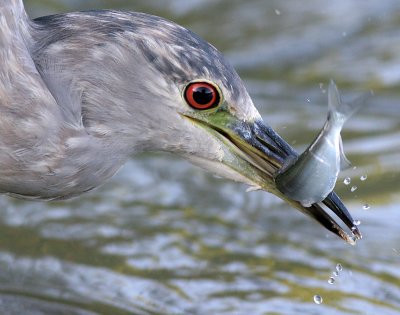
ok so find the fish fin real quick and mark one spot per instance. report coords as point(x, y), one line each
point(334, 99)
point(344, 161)
point(337, 108)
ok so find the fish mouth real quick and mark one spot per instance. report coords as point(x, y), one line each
point(257, 153)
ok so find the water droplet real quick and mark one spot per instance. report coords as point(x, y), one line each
point(344, 34)
point(363, 177)
point(308, 100)
point(356, 222)
point(354, 167)
point(366, 206)
point(335, 273)
point(321, 85)
point(277, 12)
point(347, 180)
point(339, 267)
point(331, 280)
point(318, 299)
point(354, 188)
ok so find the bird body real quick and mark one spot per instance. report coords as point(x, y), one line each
point(312, 176)
point(81, 92)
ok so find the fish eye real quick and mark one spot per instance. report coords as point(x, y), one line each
point(202, 95)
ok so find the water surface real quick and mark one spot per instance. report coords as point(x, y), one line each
point(164, 237)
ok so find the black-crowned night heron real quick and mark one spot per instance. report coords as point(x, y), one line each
point(81, 92)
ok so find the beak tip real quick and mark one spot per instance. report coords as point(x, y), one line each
point(334, 203)
point(356, 232)
point(320, 215)
point(351, 239)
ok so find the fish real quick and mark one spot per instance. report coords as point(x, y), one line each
point(311, 177)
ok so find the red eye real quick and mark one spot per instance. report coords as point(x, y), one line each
point(202, 95)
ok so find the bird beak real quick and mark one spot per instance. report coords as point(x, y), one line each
point(257, 152)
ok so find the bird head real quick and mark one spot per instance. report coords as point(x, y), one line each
point(211, 119)
point(172, 91)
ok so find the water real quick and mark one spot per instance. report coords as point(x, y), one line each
point(363, 177)
point(347, 181)
point(318, 299)
point(163, 237)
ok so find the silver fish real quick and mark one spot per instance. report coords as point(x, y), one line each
point(312, 176)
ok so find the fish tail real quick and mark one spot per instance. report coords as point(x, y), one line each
point(342, 111)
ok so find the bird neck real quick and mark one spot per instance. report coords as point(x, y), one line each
point(86, 163)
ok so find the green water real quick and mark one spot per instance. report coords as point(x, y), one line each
point(163, 237)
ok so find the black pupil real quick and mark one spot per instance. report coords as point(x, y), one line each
point(203, 95)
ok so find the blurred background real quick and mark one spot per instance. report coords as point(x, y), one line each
point(164, 237)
